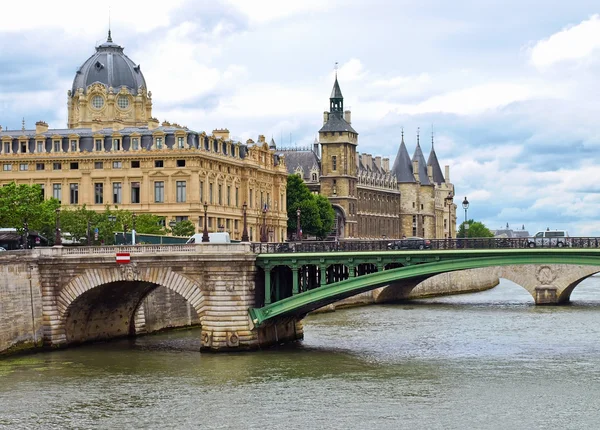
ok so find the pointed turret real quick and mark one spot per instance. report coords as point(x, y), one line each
point(402, 168)
point(420, 158)
point(272, 144)
point(334, 120)
point(432, 161)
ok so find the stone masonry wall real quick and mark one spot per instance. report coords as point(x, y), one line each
point(20, 305)
point(164, 308)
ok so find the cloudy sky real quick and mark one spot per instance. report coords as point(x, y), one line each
point(510, 87)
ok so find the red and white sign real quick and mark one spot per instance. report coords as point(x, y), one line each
point(123, 258)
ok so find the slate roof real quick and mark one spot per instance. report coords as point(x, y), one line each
point(85, 132)
point(432, 161)
point(110, 67)
point(402, 167)
point(303, 158)
point(418, 155)
point(336, 123)
point(336, 92)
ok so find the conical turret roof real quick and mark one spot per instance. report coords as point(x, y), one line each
point(418, 156)
point(432, 161)
point(336, 92)
point(402, 167)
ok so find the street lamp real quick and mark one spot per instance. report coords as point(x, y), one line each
point(465, 205)
point(57, 238)
point(245, 237)
point(263, 235)
point(205, 232)
point(298, 224)
point(448, 200)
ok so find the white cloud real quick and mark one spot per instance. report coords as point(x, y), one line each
point(263, 11)
point(572, 43)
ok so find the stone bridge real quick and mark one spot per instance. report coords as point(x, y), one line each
point(54, 297)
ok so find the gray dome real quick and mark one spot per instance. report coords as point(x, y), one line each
point(110, 67)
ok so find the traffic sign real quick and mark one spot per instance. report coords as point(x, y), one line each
point(123, 258)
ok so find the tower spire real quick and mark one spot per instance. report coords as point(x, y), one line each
point(109, 39)
point(336, 100)
point(418, 132)
point(432, 137)
point(402, 134)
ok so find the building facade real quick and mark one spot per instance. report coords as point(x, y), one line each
point(372, 201)
point(114, 152)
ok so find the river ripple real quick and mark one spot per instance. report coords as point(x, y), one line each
point(490, 360)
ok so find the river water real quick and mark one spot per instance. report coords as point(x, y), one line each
point(490, 360)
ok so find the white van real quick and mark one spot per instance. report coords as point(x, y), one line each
point(212, 238)
point(548, 239)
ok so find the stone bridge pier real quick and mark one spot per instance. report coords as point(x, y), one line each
point(548, 284)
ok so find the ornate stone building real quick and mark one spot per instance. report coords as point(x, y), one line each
point(370, 199)
point(115, 153)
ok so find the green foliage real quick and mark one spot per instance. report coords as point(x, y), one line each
point(75, 221)
point(316, 213)
point(327, 216)
point(183, 228)
point(20, 204)
point(476, 229)
point(149, 224)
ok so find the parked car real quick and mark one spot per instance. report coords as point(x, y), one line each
point(549, 239)
point(410, 243)
point(2, 249)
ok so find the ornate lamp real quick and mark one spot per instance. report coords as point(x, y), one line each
point(205, 231)
point(245, 237)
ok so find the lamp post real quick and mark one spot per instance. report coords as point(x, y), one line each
point(245, 237)
point(448, 200)
point(465, 205)
point(88, 233)
point(263, 233)
point(298, 224)
point(26, 235)
point(205, 231)
point(57, 238)
point(133, 215)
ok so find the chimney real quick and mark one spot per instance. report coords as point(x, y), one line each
point(430, 173)
point(447, 175)
point(369, 160)
point(415, 164)
point(378, 162)
point(152, 123)
point(348, 117)
point(261, 138)
point(386, 164)
point(325, 117)
point(221, 133)
point(40, 127)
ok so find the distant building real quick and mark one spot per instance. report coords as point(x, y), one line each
point(510, 233)
point(370, 199)
point(115, 153)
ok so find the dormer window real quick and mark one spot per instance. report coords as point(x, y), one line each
point(116, 144)
point(135, 143)
point(73, 147)
point(123, 102)
point(314, 177)
point(158, 143)
point(56, 146)
point(98, 145)
point(180, 143)
point(39, 146)
point(23, 147)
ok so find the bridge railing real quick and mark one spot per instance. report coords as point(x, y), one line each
point(439, 244)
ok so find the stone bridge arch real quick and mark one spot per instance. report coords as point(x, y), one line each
point(547, 283)
point(76, 310)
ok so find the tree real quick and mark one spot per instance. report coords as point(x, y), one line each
point(24, 204)
point(327, 216)
point(75, 222)
point(476, 229)
point(183, 228)
point(316, 212)
point(150, 224)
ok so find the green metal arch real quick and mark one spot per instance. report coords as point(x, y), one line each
point(305, 302)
